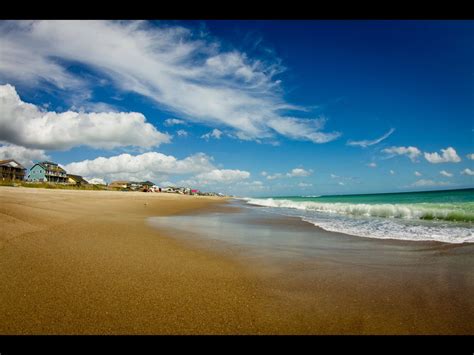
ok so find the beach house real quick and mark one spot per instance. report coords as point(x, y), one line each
point(47, 171)
point(10, 169)
point(119, 184)
point(76, 180)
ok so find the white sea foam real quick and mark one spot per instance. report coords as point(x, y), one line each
point(384, 221)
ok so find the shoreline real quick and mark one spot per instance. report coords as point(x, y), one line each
point(87, 262)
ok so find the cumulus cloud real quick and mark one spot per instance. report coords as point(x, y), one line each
point(372, 165)
point(410, 152)
point(467, 171)
point(29, 126)
point(274, 176)
point(448, 155)
point(417, 173)
point(215, 133)
point(180, 70)
point(96, 181)
point(146, 166)
point(341, 183)
point(174, 121)
point(24, 156)
point(470, 156)
point(222, 176)
point(392, 172)
point(303, 184)
point(446, 173)
point(368, 143)
point(423, 182)
point(298, 172)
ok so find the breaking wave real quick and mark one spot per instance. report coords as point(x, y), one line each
point(445, 222)
point(420, 211)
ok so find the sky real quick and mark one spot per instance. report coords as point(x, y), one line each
point(249, 108)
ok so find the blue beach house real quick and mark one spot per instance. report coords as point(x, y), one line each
point(47, 172)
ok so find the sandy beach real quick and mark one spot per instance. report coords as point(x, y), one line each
point(89, 262)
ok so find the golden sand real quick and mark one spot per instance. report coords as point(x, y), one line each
point(85, 262)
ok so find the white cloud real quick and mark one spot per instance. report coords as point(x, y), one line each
point(367, 143)
point(410, 152)
point(215, 133)
point(146, 166)
point(182, 133)
point(298, 172)
point(467, 171)
point(334, 176)
point(417, 173)
point(174, 121)
point(449, 156)
point(96, 181)
point(392, 172)
point(341, 183)
point(372, 165)
point(28, 125)
point(303, 184)
point(180, 70)
point(302, 129)
point(424, 182)
point(274, 176)
point(470, 156)
point(222, 176)
point(24, 156)
point(445, 173)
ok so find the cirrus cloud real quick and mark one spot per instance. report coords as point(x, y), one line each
point(182, 71)
point(368, 143)
point(410, 152)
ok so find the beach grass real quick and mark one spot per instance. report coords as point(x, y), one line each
point(50, 185)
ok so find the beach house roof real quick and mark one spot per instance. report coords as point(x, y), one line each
point(47, 165)
point(147, 183)
point(120, 182)
point(77, 178)
point(12, 163)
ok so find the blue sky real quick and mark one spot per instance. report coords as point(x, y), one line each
point(244, 107)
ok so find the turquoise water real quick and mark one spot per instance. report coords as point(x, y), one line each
point(446, 196)
point(446, 216)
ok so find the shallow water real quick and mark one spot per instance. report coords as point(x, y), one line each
point(257, 232)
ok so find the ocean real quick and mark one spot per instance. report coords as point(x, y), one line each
point(444, 216)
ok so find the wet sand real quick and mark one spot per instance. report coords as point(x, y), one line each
point(89, 262)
